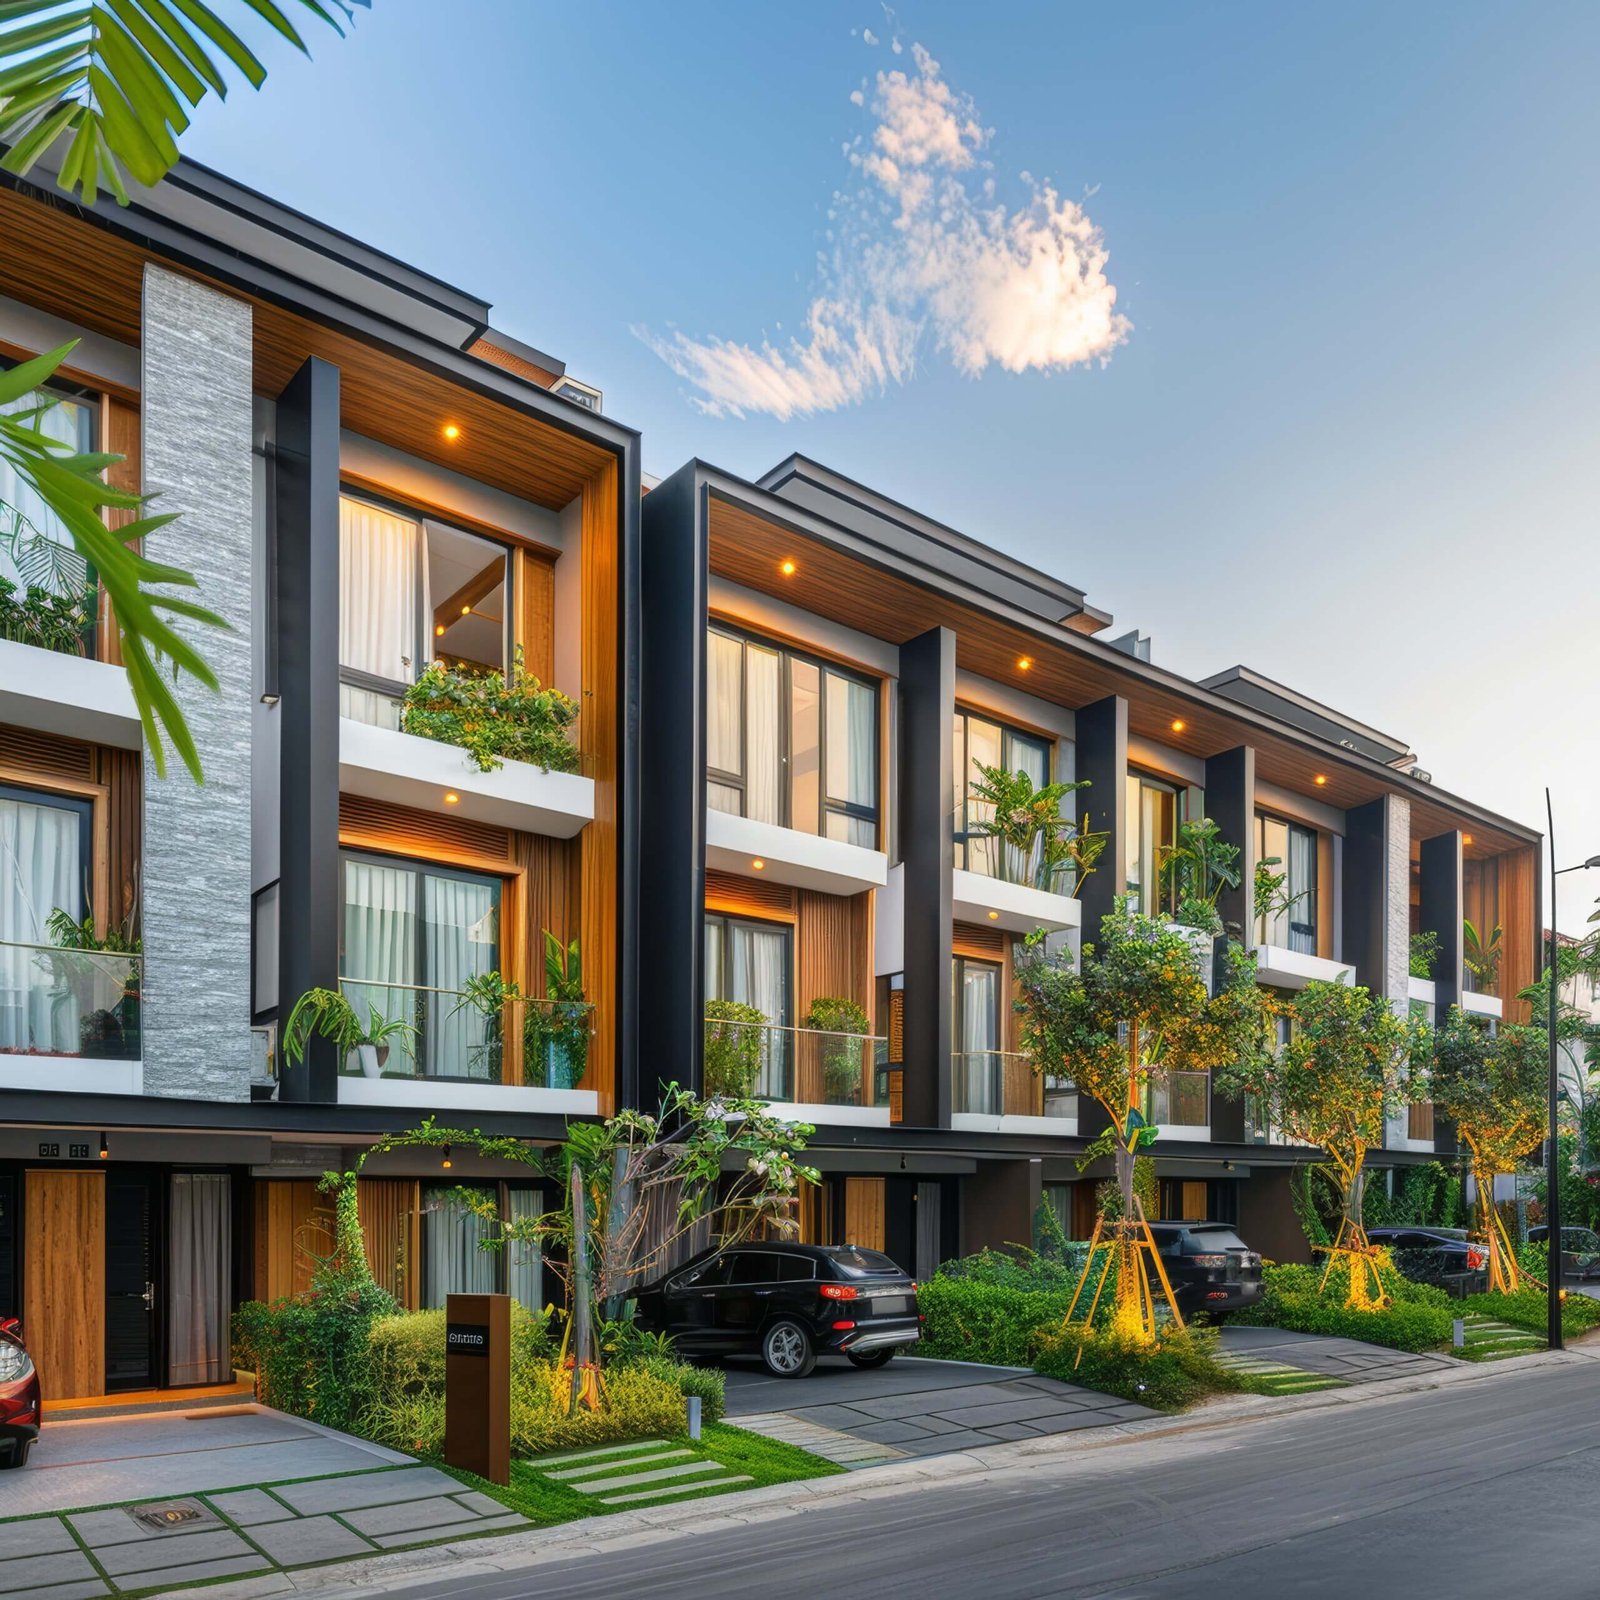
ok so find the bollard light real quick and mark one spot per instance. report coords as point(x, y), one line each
point(693, 1403)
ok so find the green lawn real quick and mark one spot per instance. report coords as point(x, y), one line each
point(747, 1460)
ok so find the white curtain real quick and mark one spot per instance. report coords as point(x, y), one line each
point(39, 871)
point(724, 717)
point(453, 1263)
point(380, 947)
point(980, 988)
point(462, 937)
point(758, 974)
point(852, 757)
point(377, 604)
point(524, 1264)
point(199, 1241)
point(763, 791)
point(23, 515)
point(983, 749)
point(1303, 885)
point(1034, 759)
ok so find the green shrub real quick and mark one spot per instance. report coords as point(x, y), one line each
point(706, 1382)
point(1021, 1269)
point(735, 1036)
point(1534, 1257)
point(1418, 1317)
point(1528, 1308)
point(493, 716)
point(970, 1319)
point(1176, 1371)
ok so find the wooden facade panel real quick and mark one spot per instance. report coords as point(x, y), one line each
point(864, 1212)
point(833, 961)
point(122, 773)
point(294, 1229)
point(535, 585)
point(1519, 959)
point(390, 1223)
point(44, 755)
point(377, 825)
point(749, 897)
point(64, 1298)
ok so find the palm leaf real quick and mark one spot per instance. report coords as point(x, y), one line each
point(119, 78)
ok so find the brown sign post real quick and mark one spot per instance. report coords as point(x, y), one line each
point(477, 1384)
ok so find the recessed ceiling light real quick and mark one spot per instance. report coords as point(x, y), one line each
point(1178, 724)
point(1024, 663)
point(1320, 779)
point(1466, 838)
point(994, 916)
point(466, 611)
point(787, 568)
point(451, 431)
point(438, 630)
point(451, 797)
point(758, 865)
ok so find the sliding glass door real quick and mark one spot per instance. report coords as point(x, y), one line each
point(979, 742)
point(976, 998)
point(748, 962)
point(1292, 922)
point(413, 937)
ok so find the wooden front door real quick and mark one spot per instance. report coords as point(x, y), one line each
point(864, 1212)
point(64, 1295)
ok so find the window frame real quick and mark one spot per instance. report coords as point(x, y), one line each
point(1159, 900)
point(501, 1258)
point(83, 807)
point(739, 782)
point(725, 918)
point(1010, 734)
point(1309, 923)
point(958, 965)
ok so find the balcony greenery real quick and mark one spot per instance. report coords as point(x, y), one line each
point(555, 1030)
point(1424, 952)
point(842, 1065)
point(1036, 845)
point(735, 1034)
point(494, 717)
point(1195, 870)
point(1481, 956)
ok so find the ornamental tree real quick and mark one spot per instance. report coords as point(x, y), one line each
point(1350, 1064)
point(1493, 1087)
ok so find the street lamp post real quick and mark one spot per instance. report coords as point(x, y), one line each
point(1552, 1171)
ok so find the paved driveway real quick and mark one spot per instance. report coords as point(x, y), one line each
point(913, 1407)
point(1348, 1360)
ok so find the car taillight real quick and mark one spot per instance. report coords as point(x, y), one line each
point(838, 1291)
point(1209, 1261)
point(841, 1327)
point(1475, 1259)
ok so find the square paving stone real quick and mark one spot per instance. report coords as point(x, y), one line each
point(34, 1572)
point(307, 1540)
point(38, 1536)
point(1008, 1411)
point(89, 1589)
point(124, 1560)
point(200, 1572)
point(502, 1524)
point(940, 1444)
point(1071, 1421)
point(485, 1505)
point(365, 1489)
point(1013, 1430)
point(835, 1416)
point(418, 1514)
point(120, 1526)
point(893, 1432)
point(248, 1507)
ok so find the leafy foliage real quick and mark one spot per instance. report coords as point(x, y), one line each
point(835, 1015)
point(1172, 1372)
point(327, 1013)
point(1481, 955)
point(1417, 1316)
point(1036, 844)
point(1196, 869)
point(49, 620)
point(734, 1038)
point(979, 1319)
point(1424, 952)
point(1493, 1086)
point(494, 718)
point(1530, 1308)
point(118, 78)
point(73, 485)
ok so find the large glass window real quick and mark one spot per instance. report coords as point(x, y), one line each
point(790, 740)
point(749, 962)
point(1292, 924)
point(1154, 810)
point(979, 742)
point(454, 1260)
point(412, 936)
point(413, 590)
point(976, 997)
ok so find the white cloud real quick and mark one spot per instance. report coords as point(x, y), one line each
point(923, 254)
point(869, 36)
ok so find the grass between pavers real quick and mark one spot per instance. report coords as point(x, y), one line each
point(764, 1461)
point(1489, 1339)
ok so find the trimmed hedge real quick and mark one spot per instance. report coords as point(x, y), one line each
point(970, 1320)
point(1528, 1308)
point(1418, 1317)
point(1178, 1370)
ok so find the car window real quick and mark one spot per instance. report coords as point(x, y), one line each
point(754, 1266)
point(796, 1269)
point(855, 1263)
point(706, 1276)
point(1203, 1241)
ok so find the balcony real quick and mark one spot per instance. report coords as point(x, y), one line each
point(801, 860)
point(1282, 968)
point(997, 1091)
point(814, 1075)
point(1179, 1103)
point(385, 764)
point(69, 1020)
point(52, 691)
point(1018, 907)
point(453, 1053)
point(1478, 1004)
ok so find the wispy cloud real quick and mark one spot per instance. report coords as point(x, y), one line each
point(922, 253)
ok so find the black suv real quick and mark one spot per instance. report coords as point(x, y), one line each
point(1208, 1265)
point(788, 1304)
point(1448, 1258)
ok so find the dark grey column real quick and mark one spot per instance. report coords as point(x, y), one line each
point(1231, 804)
point(307, 499)
point(927, 853)
point(1102, 759)
point(1441, 910)
point(672, 768)
point(1376, 883)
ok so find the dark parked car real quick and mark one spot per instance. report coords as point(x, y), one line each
point(1208, 1265)
point(19, 1396)
point(788, 1304)
point(1580, 1252)
point(1448, 1258)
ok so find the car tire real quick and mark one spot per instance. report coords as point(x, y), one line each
point(786, 1350)
point(868, 1359)
point(17, 1456)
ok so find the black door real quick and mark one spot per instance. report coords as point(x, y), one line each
point(131, 1267)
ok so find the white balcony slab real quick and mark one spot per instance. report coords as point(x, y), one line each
point(383, 764)
point(801, 860)
point(1294, 969)
point(70, 1074)
point(1482, 1005)
point(823, 1116)
point(1422, 990)
point(1016, 907)
point(984, 1122)
point(67, 695)
point(445, 1094)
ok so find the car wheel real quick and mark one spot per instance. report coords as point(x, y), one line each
point(17, 1456)
point(870, 1358)
point(786, 1350)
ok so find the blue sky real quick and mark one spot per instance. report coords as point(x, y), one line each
point(1349, 438)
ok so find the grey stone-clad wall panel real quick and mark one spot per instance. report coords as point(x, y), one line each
point(1397, 902)
point(196, 439)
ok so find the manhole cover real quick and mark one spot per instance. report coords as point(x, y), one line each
point(168, 1516)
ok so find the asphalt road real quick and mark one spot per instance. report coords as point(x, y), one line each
point(1482, 1489)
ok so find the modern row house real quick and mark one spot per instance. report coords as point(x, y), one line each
point(742, 853)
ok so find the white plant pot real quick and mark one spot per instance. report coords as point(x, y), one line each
point(367, 1057)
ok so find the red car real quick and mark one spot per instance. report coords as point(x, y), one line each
point(19, 1396)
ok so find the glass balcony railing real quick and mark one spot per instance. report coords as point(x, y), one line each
point(56, 1002)
point(804, 1066)
point(528, 1043)
point(1178, 1099)
point(996, 1083)
point(1259, 1127)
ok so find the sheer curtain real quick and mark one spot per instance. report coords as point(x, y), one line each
point(1303, 885)
point(763, 795)
point(524, 1264)
point(39, 871)
point(380, 947)
point(930, 1197)
point(758, 960)
point(462, 938)
point(199, 1235)
point(377, 605)
point(852, 757)
point(724, 717)
point(980, 988)
point(453, 1263)
point(23, 515)
point(1034, 759)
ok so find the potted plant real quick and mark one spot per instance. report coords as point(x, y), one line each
point(1036, 845)
point(734, 1035)
point(556, 1033)
point(489, 994)
point(842, 1022)
point(361, 1046)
